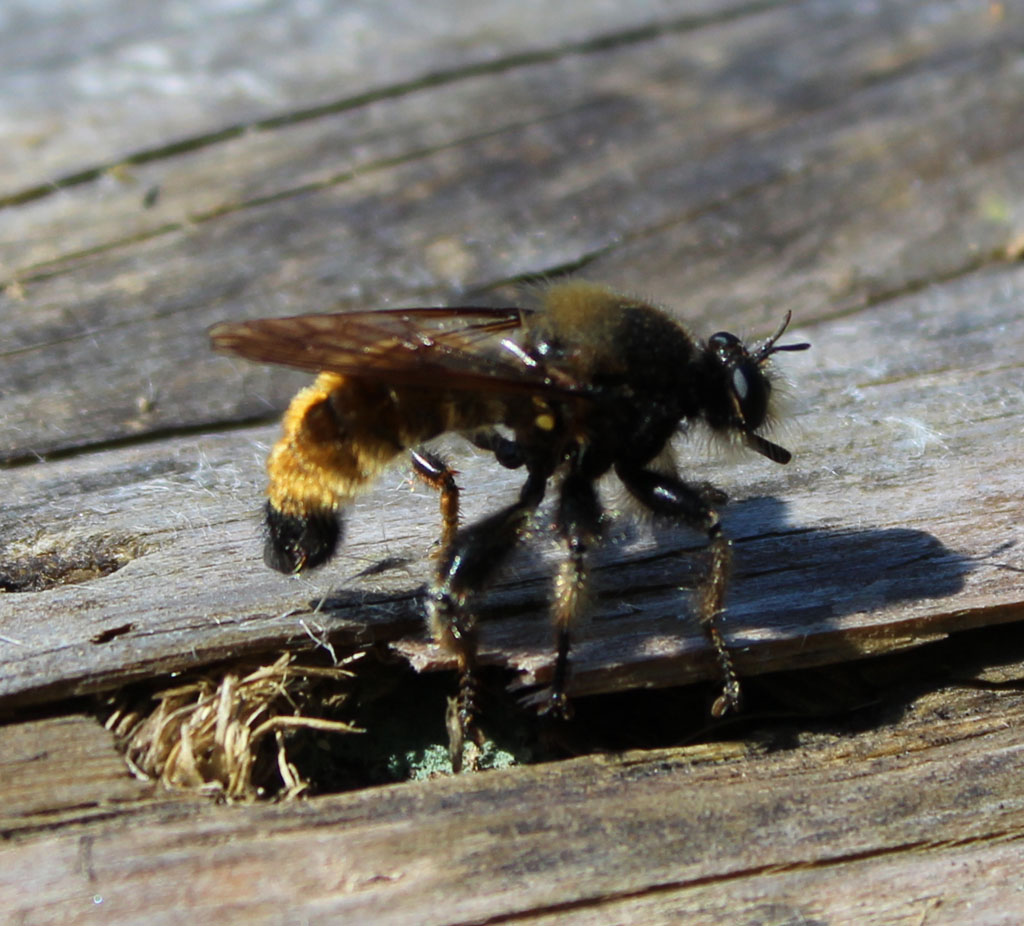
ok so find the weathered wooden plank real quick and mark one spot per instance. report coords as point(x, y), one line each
point(584, 91)
point(170, 606)
point(729, 182)
point(871, 540)
point(911, 821)
point(861, 166)
point(61, 771)
point(93, 86)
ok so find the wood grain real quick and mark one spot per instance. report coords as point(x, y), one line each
point(860, 166)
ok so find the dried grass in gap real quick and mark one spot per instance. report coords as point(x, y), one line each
point(208, 734)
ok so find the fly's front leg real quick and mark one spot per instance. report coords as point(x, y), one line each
point(710, 605)
point(467, 564)
point(506, 450)
point(694, 505)
point(432, 470)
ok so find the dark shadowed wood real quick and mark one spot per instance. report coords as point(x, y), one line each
point(859, 166)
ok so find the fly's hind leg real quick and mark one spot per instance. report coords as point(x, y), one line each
point(694, 505)
point(437, 474)
point(466, 566)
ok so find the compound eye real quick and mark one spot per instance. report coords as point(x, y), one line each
point(740, 384)
point(750, 388)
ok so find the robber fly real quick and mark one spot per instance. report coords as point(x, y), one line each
point(589, 382)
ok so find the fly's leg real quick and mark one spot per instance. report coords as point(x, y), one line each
point(578, 523)
point(432, 470)
point(694, 505)
point(710, 605)
point(466, 566)
point(506, 451)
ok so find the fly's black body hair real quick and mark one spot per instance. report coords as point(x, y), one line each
point(591, 382)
